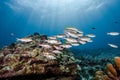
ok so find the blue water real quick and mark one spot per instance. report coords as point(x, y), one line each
point(50, 17)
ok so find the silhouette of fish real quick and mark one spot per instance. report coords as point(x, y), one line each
point(93, 28)
point(116, 22)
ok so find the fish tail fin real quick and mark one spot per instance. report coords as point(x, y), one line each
point(108, 33)
point(18, 39)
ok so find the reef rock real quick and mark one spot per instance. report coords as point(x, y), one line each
point(29, 61)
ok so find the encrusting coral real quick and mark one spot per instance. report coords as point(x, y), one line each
point(112, 71)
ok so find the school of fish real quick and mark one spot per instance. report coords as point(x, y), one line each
point(71, 37)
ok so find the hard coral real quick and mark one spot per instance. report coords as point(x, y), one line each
point(100, 76)
point(113, 71)
point(29, 61)
point(117, 63)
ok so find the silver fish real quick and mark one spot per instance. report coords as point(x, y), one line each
point(72, 34)
point(24, 39)
point(75, 44)
point(58, 47)
point(52, 37)
point(71, 31)
point(45, 45)
point(90, 41)
point(60, 36)
point(66, 46)
point(52, 41)
point(113, 45)
point(85, 39)
point(82, 42)
point(91, 35)
point(71, 40)
point(113, 33)
point(72, 28)
point(79, 34)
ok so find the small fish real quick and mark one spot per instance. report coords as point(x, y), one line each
point(80, 32)
point(71, 40)
point(90, 41)
point(93, 28)
point(116, 22)
point(60, 36)
point(24, 40)
point(113, 33)
point(70, 31)
point(53, 41)
point(12, 34)
point(71, 35)
point(79, 35)
point(91, 35)
point(113, 45)
point(66, 46)
point(58, 47)
point(72, 28)
point(75, 32)
point(52, 37)
point(45, 46)
point(85, 39)
point(67, 35)
point(75, 44)
point(82, 42)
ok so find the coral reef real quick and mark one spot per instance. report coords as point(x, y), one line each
point(90, 65)
point(99, 75)
point(39, 57)
point(94, 60)
point(98, 54)
point(112, 71)
point(31, 61)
